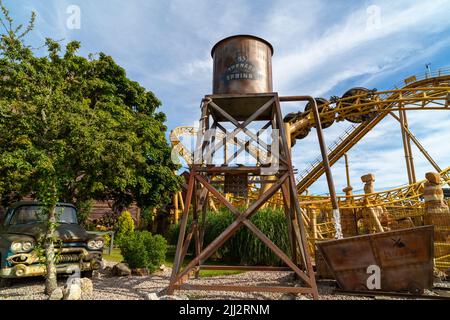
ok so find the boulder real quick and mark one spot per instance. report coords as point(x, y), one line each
point(173, 297)
point(96, 275)
point(86, 286)
point(348, 190)
point(151, 296)
point(433, 177)
point(141, 272)
point(57, 294)
point(439, 275)
point(72, 292)
point(163, 268)
point(447, 274)
point(107, 271)
point(288, 296)
point(302, 297)
point(368, 178)
point(121, 270)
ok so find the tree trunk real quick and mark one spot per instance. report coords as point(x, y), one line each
point(51, 281)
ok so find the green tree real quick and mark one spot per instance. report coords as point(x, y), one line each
point(74, 129)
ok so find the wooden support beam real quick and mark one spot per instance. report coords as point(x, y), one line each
point(243, 268)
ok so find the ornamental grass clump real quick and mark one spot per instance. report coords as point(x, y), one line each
point(244, 247)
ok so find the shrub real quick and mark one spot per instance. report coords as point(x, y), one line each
point(244, 247)
point(124, 226)
point(106, 240)
point(141, 249)
point(109, 220)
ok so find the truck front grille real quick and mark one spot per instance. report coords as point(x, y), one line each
point(67, 257)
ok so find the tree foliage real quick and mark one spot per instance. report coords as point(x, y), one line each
point(78, 126)
point(74, 129)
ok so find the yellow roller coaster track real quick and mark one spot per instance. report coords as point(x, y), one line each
point(409, 195)
point(429, 92)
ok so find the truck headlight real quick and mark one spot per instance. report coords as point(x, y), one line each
point(95, 244)
point(27, 245)
point(21, 246)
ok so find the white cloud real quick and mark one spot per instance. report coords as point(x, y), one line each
point(321, 48)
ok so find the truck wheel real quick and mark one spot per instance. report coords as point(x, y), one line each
point(415, 288)
point(5, 282)
point(86, 274)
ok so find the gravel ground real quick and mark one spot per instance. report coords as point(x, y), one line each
point(135, 288)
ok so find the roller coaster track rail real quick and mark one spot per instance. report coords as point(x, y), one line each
point(431, 91)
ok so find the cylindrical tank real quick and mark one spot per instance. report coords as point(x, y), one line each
point(242, 64)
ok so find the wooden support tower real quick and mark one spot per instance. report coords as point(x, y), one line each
point(242, 111)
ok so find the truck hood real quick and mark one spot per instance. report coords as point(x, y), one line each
point(65, 232)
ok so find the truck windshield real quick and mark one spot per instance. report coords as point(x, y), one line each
point(32, 214)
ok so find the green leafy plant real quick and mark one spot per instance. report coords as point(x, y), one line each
point(244, 247)
point(83, 211)
point(141, 249)
point(124, 226)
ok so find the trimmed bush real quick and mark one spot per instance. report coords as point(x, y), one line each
point(244, 247)
point(141, 249)
point(124, 226)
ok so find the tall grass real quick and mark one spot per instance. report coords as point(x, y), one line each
point(244, 247)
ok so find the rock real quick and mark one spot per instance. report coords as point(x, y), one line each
point(151, 296)
point(173, 297)
point(439, 275)
point(433, 177)
point(302, 297)
point(368, 178)
point(86, 286)
point(72, 292)
point(121, 270)
point(163, 268)
point(141, 272)
point(288, 296)
point(96, 275)
point(107, 271)
point(57, 294)
point(348, 190)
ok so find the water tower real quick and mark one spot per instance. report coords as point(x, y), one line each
point(242, 104)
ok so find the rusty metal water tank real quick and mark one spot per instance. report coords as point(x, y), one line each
point(242, 64)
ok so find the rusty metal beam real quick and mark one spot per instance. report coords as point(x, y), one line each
point(243, 268)
point(232, 228)
point(178, 253)
point(246, 288)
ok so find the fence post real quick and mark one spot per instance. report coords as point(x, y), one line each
point(111, 242)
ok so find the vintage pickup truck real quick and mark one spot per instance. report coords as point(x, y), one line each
point(21, 227)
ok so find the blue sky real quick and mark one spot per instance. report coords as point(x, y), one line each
point(322, 48)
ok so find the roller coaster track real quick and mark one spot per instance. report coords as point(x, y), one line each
point(431, 92)
point(408, 195)
point(181, 150)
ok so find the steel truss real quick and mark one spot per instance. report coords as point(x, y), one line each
point(251, 109)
